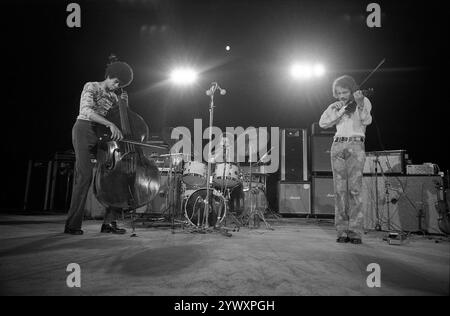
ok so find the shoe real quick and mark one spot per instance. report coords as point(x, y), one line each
point(356, 241)
point(342, 239)
point(70, 231)
point(112, 228)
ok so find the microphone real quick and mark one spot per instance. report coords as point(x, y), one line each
point(214, 87)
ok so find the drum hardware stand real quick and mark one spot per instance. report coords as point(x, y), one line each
point(255, 212)
point(386, 192)
point(227, 194)
point(171, 196)
point(277, 216)
point(133, 224)
point(387, 199)
point(377, 162)
point(237, 222)
point(133, 215)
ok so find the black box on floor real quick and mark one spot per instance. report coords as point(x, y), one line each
point(37, 185)
point(60, 192)
point(294, 197)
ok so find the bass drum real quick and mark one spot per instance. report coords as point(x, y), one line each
point(194, 207)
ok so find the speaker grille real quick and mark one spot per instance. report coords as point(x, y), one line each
point(320, 153)
point(323, 192)
point(294, 197)
point(294, 154)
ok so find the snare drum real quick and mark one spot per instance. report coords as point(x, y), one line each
point(194, 173)
point(231, 173)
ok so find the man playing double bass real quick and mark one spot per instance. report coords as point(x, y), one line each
point(97, 99)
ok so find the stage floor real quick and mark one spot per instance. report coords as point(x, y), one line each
point(298, 257)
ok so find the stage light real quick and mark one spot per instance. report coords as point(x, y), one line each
point(301, 71)
point(319, 70)
point(307, 70)
point(227, 47)
point(183, 76)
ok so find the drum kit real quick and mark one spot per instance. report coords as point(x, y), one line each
point(208, 204)
point(228, 182)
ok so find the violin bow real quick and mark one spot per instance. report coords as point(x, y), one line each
point(372, 72)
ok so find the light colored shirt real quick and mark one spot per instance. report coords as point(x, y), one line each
point(347, 125)
point(95, 99)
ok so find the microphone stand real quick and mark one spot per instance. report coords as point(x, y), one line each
point(378, 224)
point(210, 93)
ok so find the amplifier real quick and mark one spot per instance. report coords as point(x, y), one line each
point(317, 130)
point(294, 197)
point(389, 162)
point(323, 195)
point(321, 153)
point(154, 154)
point(426, 168)
point(404, 203)
point(294, 154)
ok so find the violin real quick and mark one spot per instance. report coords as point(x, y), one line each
point(125, 178)
point(350, 105)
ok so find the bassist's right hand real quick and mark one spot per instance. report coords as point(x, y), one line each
point(116, 134)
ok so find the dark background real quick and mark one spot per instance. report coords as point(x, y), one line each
point(48, 63)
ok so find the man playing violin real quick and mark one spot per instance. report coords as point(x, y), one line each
point(351, 115)
point(97, 98)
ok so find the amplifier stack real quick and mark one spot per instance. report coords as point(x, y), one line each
point(321, 171)
point(306, 181)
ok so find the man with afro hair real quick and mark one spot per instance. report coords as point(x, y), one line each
point(97, 99)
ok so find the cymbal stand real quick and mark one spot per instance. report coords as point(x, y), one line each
point(227, 195)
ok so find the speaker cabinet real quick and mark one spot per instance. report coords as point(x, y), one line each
point(404, 203)
point(317, 130)
point(294, 197)
point(320, 153)
point(323, 195)
point(294, 154)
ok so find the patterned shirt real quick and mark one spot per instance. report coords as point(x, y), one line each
point(95, 99)
point(347, 125)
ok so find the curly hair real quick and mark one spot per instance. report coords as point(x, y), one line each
point(121, 71)
point(346, 82)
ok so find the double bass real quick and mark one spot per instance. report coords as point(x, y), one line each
point(125, 178)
